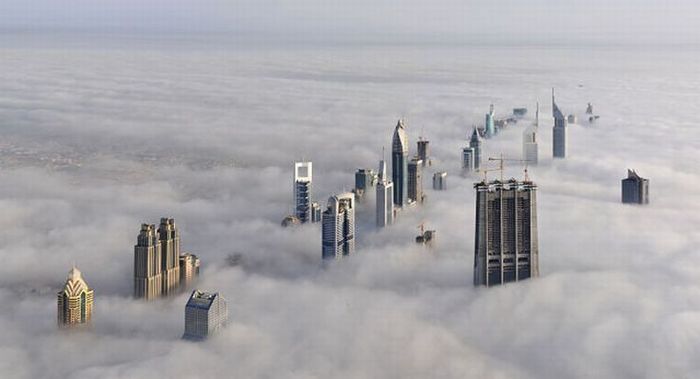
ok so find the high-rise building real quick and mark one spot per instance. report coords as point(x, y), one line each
point(635, 189)
point(169, 238)
point(489, 126)
point(505, 246)
point(205, 314)
point(440, 181)
point(385, 205)
point(75, 301)
point(467, 160)
point(365, 179)
point(189, 269)
point(399, 164)
point(302, 190)
point(415, 180)
point(423, 150)
point(338, 227)
point(475, 143)
point(558, 132)
point(148, 282)
point(530, 140)
point(315, 212)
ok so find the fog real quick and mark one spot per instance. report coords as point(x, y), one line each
point(97, 138)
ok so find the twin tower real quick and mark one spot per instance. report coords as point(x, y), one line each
point(158, 264)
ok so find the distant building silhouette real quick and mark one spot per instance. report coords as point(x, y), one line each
point(75, 301)
point(423, 150)
point(189, 269)
point(399, 164)
point(559, 131)
point(303, 178)
point(475, 143)
point(415, 180)
point(385, 205)
point(635, 189)
point(365, 180)
point(205, 314)
point(530, 153)
point(489, 125)
point(440, 181)
point(505, 246)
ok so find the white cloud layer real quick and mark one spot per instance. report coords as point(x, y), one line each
point(97, 140)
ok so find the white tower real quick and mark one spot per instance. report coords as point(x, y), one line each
point(385, 204)
point(530, 140)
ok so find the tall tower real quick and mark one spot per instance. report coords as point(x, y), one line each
point(559, 131)
point(148, 282)
point(385, 205)
point(169, 238)
point(205, 314)
point(365, 179)
point(415, 181)
point(489, 126)
point(423, 150)
point(635, 189)
point(338, 227)
point(75, 301)
point(530, 140)
point(399, 164)
point(302, 190)
point(505, 246)
point(475, 143)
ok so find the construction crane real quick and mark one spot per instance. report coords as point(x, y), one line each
point(500, 168)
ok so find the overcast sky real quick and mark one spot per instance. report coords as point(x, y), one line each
point(375, 20)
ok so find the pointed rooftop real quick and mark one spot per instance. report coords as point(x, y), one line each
point(400, 141)
point(556, 113)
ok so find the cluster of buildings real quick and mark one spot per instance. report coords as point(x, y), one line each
point(160, 269)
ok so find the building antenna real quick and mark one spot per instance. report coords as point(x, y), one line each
point(537, 115)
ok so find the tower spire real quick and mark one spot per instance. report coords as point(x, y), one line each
point(537, 115)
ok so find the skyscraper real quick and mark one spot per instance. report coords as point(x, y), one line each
point(189, 269)
point(489, 125)
point(635, 189)
point(75, 301)
point(169, 238)
point(385, 205)
point(415, 180)
point(315, 212)
point(399, 164)
point(440, 181)
point(558, 132)
point(338, 227)
point(423, 150)
point(302, 190)
point(530, 140)
point(475, 143)
point(467, 160)
point(148, 282)
point(365, 179)
point(205, 314)
point(505, 246)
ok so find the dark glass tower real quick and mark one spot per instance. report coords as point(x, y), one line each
point(399, 164)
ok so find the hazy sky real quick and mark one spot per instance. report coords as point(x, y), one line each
point(375, 20)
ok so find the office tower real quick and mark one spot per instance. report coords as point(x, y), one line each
point(148, 283)
point(505, 248)
point(530, 140)
point(189, 269)
point(440, 181)
point(635, 189)
point(475, 143)
point(467, 160)
point(559, 131)
point(399, 164)
point(169, 238)
point(489, 126)
point(315, 212)
point(365, 179)
point(423, 150)
point(571, 119)
point(205, 314)
point(302, 190)
point(75, 301)
point(385, 205)
point(338, 227)
point(415, 180)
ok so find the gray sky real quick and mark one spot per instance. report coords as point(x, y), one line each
point(376, 20)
